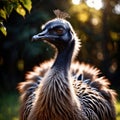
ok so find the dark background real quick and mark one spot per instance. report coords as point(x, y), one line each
point(99, 31)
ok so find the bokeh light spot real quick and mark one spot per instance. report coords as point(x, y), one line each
point(97, 4)
point(76, 2)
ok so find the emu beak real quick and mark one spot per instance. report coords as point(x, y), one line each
point(39, 36)
point(44, 35)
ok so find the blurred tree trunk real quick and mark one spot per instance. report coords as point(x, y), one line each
point(106, 37)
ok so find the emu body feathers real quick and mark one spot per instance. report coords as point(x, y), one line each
point(96, 99)
point(61, 90)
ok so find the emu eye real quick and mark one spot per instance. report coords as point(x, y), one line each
point(59, 31)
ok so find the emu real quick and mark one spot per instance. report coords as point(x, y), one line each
point(62, 89)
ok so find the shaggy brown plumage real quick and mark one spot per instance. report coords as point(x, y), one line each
point(96, 100)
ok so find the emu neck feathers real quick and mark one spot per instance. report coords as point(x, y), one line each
point(63, 59)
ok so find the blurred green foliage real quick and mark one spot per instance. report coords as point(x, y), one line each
point(6, 8)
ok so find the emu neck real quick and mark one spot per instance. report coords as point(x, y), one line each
point(57, 100)
point(64, 56)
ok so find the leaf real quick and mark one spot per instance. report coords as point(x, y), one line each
point(3, 28)
point(2, 13)
point(27, 4)
point(8, 9)
point(20, 10)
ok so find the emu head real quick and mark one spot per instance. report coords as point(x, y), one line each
point(57, 31)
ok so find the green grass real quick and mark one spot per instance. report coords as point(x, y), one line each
point(9, 107)
point(118, 110)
